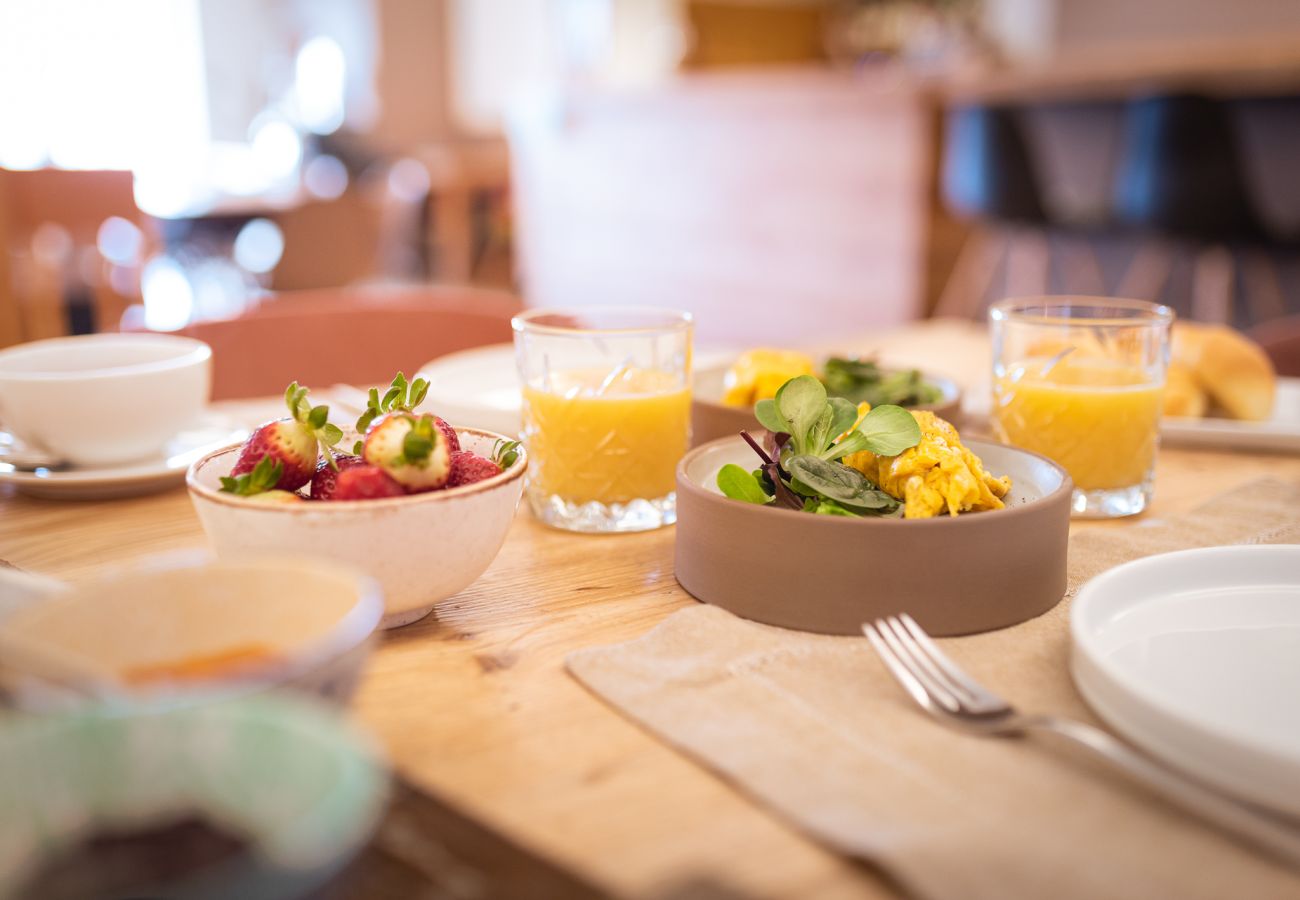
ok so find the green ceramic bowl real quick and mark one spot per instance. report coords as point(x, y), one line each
point(301, 788)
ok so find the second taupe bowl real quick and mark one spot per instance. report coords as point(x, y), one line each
point(975, 572)
point(712, 419)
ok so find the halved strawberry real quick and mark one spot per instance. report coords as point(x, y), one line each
point(364, 482)
point(294, 442)
point(410, 449)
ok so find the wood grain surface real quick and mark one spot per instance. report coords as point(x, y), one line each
point(473, 703)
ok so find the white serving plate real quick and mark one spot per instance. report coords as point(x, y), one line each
point(476, 388)
point(1281, 432)
point(147, 476)
point(1195, 656)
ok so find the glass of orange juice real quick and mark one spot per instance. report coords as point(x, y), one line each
point(1079, 380)
point(607, 408)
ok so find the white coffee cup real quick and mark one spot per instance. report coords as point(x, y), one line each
point(103, 399)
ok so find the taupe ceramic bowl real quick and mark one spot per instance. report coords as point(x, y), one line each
point(954, 575)
point(712, 419)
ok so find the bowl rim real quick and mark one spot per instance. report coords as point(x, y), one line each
point(349, 631)
point(952, 391)
point(685, 484)
point(197, 489)
point(190, 352)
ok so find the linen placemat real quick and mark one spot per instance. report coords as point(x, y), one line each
point(815, 728)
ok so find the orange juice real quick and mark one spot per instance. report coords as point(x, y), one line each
point(609, 438)
point(1097, 418)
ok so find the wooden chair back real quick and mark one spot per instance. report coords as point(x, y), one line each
point(356, 335)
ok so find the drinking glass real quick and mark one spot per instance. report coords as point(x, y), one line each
point(607, 401)
point(1080, 380)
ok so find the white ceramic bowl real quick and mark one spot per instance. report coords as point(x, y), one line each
point(103, 399)
point(421, 548)
point(310, 623)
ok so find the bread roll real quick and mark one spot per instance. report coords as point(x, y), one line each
point(1234, 372)
point(1183, 396)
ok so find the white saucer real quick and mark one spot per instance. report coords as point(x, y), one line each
point(1196, 657)
point(147, 476)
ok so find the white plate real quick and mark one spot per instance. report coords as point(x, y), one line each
point(1282, 432)
point(168, 469)
point(476, 388)
point(1196, 657)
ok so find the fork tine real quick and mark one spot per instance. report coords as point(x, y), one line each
point(934, 688)
point(920, 659)
point(977, 693)
point(901, 673)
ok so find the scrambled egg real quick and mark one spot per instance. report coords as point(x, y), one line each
point(937, 474)
point(757, 374)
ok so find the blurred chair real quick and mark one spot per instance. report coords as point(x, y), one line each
point(1280, 339)
point(1181, 181)
point(355, 335)
point(53, 279)
point(990, 176)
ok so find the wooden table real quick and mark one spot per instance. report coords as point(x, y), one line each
point(474, 704)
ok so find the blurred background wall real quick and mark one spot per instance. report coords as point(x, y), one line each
point(780, 167)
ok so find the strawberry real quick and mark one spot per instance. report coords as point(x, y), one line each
point(400, 397)
point(293, 442)
point(322, 483)
point(453, 439)
point(468, 467)
point(410, 449)
point(364, 482)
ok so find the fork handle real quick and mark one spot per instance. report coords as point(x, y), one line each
point(1254, 826)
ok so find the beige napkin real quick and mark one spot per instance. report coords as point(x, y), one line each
point(814, 727)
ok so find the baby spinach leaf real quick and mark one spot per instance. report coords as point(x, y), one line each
point(834, 481)
point(845, 414)
point(768, 416)
point(801, 402)
point(738, 484)
point(890, 430)
point(828, 508)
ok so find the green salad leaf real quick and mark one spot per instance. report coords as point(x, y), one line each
point(863, 381)
point(739, 484)
point(809, 433)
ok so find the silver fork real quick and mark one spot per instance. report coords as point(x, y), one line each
point(954, 698)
